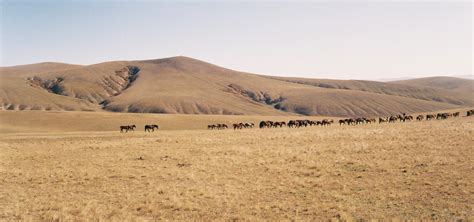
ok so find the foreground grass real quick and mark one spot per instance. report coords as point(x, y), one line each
point(414, 170)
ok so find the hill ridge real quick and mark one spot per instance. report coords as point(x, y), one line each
point(384, 88)
point(441, 82)
point(190, 86)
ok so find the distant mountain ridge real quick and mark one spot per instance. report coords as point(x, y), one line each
point(189, 86)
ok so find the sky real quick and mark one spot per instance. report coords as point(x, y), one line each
point(315, 39)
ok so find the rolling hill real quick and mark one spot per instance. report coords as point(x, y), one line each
point(188, 86)
point(442, 82)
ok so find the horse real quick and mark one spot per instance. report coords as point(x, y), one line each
point(127, 128)
point(392, 119)
point(123, 129)
point(442, 115)
point(292, 123)
point(265, 124)
point(249, 125)
point(151, 127)
point(430, 117)
point(238, 125)
point(220, 126)
point(326, 122)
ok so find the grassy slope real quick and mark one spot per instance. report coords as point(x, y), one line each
point(188, 86)
point(428, 92)
point(27, 70)
point(449, 83)
point(17, 94)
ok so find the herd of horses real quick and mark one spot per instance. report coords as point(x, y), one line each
point(325, 122)
point(221, 126)
point(398, 118)
point(349, 121)
point(148, 128)
point(271, 124)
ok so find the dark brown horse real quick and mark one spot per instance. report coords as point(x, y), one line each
point(442, 115)
point(392, 119)
point(266, 124)
point(151, 128)
point(292, 123)
point(238, 125)
point(326, 122)
point(218, 126)
point(127, 128)
point(249, 125)
point(383, 119)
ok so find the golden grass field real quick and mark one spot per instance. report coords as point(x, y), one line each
point(418, 170)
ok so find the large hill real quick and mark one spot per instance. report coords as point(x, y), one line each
point(189, 86)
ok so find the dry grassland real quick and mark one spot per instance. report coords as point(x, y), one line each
point(405, 171)
point(50, 122)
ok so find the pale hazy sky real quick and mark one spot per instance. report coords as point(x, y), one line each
point(356, 40)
